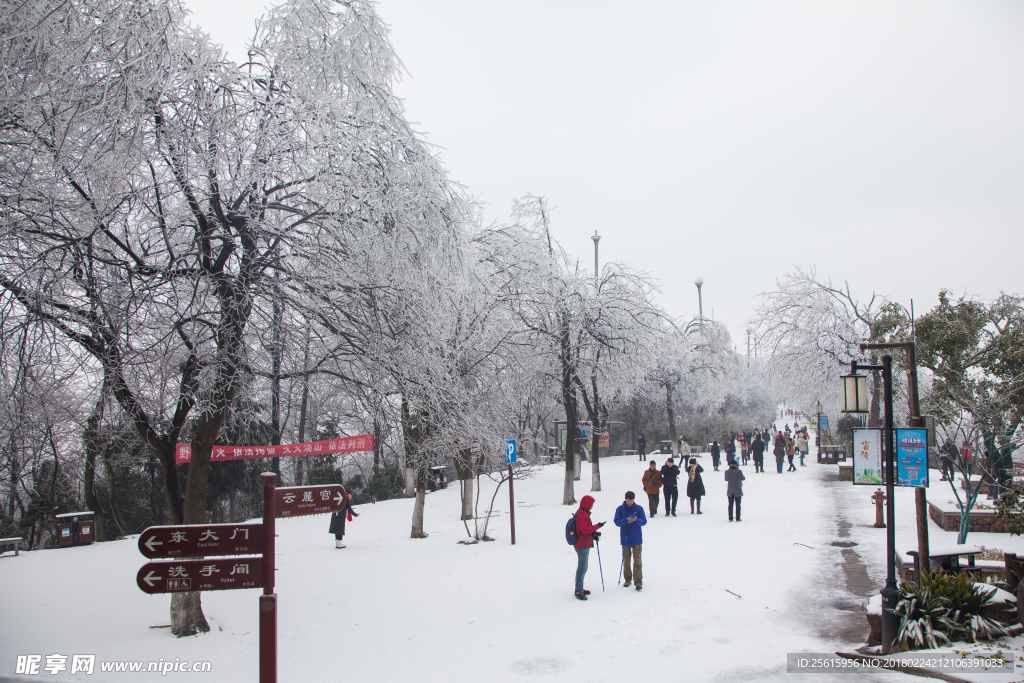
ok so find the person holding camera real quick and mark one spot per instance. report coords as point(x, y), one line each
point(629, 517)
point(586, 533)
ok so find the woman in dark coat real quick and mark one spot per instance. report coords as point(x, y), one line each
point(338, 521)
point(780, 452)
point(716, 454)
point(694, 484)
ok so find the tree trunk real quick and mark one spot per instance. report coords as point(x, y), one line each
point(421, 498)
point(874, 419)
point(275, 381)
point(671, 421)
point(112, 497)
point(300, 462)
point(464, 468)
point(377, 446)
point(635, 426)
point(569, 403)
point(91, 438)
point(187, 614)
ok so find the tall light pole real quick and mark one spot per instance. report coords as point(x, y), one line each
point(596, 238)
point(854, 400)
point(748, 348)
point(700, 301)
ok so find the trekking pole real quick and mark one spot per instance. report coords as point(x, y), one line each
point(598, 544)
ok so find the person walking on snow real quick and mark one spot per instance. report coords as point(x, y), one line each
point(780, 452)
point(629, 517)
point(684, 450)
point(641, 447)
point(947, 457)
point(586, 533)
point(695, 484)
point(801, 445)
point(669, 474)
point(652, 486)
point(716, 454)
point(757, 450)
point(790, 454)
point(734, 489)
point(338, 521)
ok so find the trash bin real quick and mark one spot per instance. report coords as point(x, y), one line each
point(75, 528)
point(666, 446)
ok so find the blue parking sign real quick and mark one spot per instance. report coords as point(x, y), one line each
point(510, 451)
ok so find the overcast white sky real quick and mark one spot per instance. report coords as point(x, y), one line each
point(731, 140)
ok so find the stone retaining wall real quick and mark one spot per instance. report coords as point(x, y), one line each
point(983, 520)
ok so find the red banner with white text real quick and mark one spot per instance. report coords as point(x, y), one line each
point(344, 444)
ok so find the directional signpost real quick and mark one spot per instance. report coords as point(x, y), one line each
point(201, 575)
point(200, 540)
point(511, 451)
point(254, 540)
point(310, 500)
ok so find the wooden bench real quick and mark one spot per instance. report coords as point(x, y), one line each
point(631, 452)
point(946, 558)
point(16, 542)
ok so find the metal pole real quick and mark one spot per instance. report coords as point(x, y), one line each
point(596, 238)
point(511, 504)
point(890, 594)
point(268, 601)
point(818, 438)
point(914, 405)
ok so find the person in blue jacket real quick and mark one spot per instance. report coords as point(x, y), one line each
point(629, 517)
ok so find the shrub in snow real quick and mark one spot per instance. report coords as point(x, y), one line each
point(943, 609)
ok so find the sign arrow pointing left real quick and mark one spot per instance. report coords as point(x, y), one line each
point(151, 543)
point(148, 578)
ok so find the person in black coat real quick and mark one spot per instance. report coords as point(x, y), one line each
point(338, 521)
point(757, 450)
point(669, 475)
point(694, 484)
point(641, 447)
point(716, 454)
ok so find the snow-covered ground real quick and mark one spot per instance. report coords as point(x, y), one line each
point(388, 608)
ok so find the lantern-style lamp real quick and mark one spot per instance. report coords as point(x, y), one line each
point(854, 393)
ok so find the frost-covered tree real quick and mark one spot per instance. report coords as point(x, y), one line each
point(152, 190)
point(809, 328)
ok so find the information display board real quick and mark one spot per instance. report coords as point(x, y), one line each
point(911, 457)
point(867, 456)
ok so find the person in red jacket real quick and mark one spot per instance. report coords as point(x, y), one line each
point(586, 533)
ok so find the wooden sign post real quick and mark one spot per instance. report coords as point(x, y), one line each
point(256, 541)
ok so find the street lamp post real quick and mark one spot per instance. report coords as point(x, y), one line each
point(854, 400)
point(817, 443)
point(700, 301)
point(596, 238)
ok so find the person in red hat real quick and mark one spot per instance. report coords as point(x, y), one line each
point(586, 533)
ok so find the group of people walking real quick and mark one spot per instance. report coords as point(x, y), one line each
point(738, 447)
point(630, 516)
point(666, 479)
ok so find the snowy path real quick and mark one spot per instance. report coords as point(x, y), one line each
point(388, 608)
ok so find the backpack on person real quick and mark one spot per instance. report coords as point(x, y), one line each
point(570, 530)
